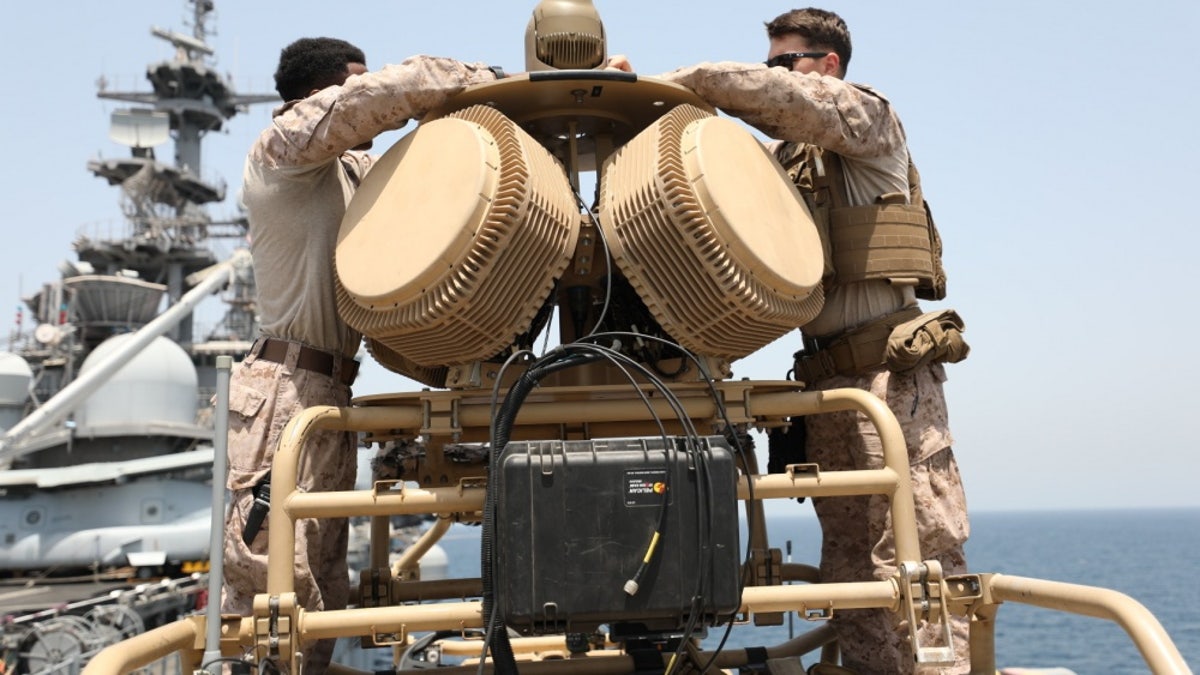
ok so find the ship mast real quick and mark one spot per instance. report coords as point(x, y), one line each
point(166, 203)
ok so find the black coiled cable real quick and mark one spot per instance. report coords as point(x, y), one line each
point(503, 660)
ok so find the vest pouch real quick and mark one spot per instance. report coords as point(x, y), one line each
point(933, 337)
point(934, 288)
point(820, 216)
point(853, 352)
point(881, 241)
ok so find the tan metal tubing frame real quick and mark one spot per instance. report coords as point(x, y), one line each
point(1146, 632)
point(976, 595)
point(288, 504)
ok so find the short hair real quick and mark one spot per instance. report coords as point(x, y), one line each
point(822, 29)
point(314, 63)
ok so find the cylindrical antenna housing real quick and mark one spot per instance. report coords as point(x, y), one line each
point(565, 35)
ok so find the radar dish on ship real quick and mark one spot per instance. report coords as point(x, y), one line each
point(139, 127)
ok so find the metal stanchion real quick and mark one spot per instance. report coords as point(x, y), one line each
point(791, 615)
point(216, 539)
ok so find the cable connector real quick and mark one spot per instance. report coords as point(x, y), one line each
point(631, 587)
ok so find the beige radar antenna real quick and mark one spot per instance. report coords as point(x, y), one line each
point(695, 240)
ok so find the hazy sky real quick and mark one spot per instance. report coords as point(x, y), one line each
point(1057, 143)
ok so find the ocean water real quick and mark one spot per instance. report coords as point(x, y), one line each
point(1151, 555)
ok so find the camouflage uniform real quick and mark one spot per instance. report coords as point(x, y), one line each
point(299, 176)
point(857, 542)
point(859, 125)
point(264, 396)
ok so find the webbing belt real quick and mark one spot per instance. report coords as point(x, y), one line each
point(853, 352)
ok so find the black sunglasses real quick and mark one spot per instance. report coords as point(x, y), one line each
point(786, 60)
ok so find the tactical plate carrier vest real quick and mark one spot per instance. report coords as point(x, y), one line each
point(894, 238)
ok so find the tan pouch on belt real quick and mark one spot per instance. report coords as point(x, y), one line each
point(933, 337)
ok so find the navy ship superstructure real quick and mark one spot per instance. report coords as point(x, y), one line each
point(105, 400)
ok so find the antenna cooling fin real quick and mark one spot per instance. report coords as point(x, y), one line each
point(453, 242)
point(712, 234)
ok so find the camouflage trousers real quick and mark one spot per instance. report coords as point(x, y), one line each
point(857, 538)
point(264, 396)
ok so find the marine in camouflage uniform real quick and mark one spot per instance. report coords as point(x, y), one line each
point(299, 176)
point(807, 103)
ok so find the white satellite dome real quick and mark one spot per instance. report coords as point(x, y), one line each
point(15, 376)
point(435, 564)
point(158, 386)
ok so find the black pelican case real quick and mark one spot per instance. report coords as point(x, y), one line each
point(574, 520)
